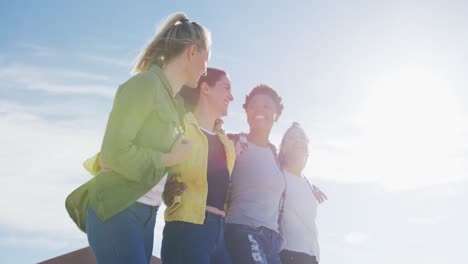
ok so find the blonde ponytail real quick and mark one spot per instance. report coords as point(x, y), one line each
point(170, 40)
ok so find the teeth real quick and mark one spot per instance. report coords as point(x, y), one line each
point(259, 117)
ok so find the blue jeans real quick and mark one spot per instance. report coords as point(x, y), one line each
point(252, 245)
point(185, 242)
point(293, 257)
point(124, 238)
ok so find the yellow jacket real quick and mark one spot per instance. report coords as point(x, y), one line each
point(191, 205)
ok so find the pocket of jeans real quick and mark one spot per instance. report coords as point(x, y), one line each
point(138, 213)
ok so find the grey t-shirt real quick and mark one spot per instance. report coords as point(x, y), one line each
point(256, 187)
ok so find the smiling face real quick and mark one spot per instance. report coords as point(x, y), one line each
point(219, 95)
point(261, 112)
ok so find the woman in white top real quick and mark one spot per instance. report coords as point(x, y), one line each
point(297, 226)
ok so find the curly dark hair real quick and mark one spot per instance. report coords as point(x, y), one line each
point(266, 90)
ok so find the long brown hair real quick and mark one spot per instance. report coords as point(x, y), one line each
point(191, 95)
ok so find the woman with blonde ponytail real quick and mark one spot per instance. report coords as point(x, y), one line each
point(144, 137)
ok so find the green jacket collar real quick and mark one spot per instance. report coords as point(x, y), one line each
point(158, 71)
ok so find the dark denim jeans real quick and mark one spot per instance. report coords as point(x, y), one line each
point(293, 257)
point(250, 245)
point(125, 238)
point(185, 242)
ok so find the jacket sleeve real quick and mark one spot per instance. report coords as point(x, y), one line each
point(133, 103)
point(92, 164)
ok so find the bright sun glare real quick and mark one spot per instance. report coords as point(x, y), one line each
point(411, 128)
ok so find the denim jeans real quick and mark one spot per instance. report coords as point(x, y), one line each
point(185, 242)
point(293, 257)
point(124, 238)
point(252, 245)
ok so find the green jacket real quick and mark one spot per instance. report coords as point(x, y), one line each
point(144, 123)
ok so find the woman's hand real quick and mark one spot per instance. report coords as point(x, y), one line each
point(218, 126)
point(180, 151)
point(172, 188)
point(319, 195)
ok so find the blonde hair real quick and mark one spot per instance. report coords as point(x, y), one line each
point(281, 155)
point(171, 38)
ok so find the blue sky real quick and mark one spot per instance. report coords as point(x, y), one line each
point(380, 86)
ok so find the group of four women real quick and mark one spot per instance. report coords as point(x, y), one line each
point(230, 198)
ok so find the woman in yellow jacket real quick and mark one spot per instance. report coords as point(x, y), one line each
point(142, 140)
point(194, 229)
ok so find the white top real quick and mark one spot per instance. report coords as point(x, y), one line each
point(298, 227)
point(154, 196)
point(256, 187)
point(207, 131)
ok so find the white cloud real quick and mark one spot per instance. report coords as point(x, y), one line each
point(425, 220)
point(356, 238)
point(44, 51)
point(43, 147)
point(38, 50)
point(54, 80)
point(69, 110)
point(42, 165)
point(407, 132)
point(46, 73)
point(33, 243)
point(126, 63)
point(43, 159)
